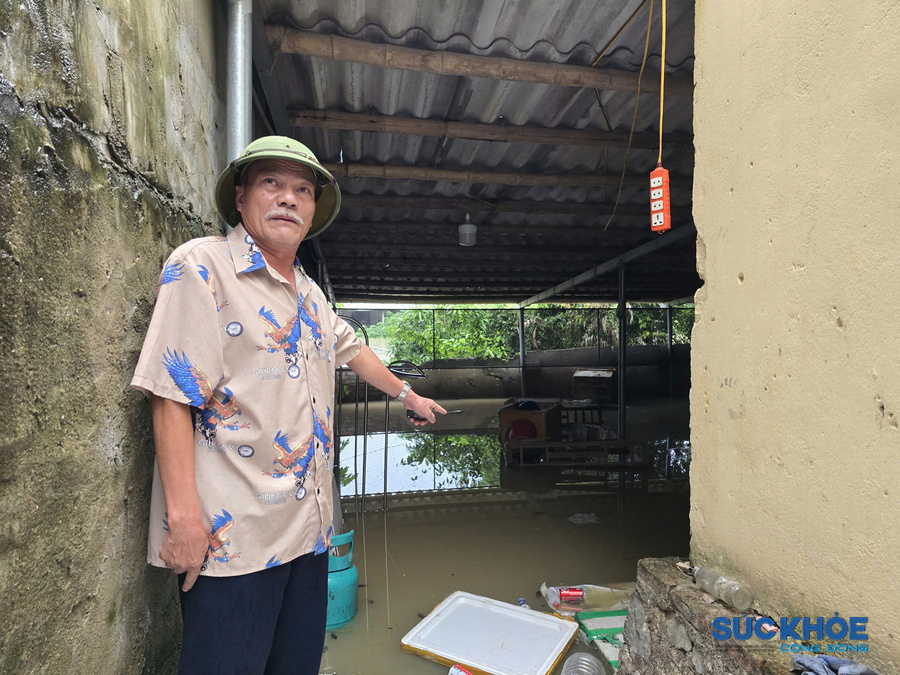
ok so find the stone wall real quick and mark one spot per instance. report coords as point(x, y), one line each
point(668, 630)
point(109, 148)
point(795, 382)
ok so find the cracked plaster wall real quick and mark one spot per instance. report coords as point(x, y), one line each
point(795, 395)
point(110, 143)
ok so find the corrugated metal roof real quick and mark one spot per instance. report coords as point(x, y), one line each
point(555, 246)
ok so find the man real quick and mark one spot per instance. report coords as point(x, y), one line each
point(239, 363)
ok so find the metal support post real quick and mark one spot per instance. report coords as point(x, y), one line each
point(240, 78)
point(669, 418)
point(522, 350)
point(336, 429)
point(622, 314)
point(669, 345)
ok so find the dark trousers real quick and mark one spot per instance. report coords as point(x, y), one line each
point(271, 621)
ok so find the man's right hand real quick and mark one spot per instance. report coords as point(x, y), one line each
point(184, 550)
point(185, 545)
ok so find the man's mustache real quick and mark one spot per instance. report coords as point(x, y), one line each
point(285, 213)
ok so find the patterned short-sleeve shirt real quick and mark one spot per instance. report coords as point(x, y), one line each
point(254, 356)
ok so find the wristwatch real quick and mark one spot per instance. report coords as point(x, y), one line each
point(403, 392)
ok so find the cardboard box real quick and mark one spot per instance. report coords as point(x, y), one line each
point(546, 420)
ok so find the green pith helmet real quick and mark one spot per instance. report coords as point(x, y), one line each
point(328, 201)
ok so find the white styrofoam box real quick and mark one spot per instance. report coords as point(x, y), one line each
point(492, 636)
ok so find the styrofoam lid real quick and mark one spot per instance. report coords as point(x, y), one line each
point(492, 636)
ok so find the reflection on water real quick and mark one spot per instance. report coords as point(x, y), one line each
point(419, 460)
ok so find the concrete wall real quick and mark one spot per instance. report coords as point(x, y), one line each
point(110, 140)
point(795, 398)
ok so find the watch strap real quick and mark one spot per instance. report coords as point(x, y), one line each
point(403, 392)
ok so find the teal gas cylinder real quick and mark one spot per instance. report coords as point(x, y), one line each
point(343, 581)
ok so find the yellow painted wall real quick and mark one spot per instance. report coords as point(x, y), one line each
point(796, 351)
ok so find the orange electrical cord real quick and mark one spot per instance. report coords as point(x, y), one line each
point(662, 79)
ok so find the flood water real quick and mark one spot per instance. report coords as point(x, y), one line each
point(463, 451)
point(500, 546)
point(434, 540)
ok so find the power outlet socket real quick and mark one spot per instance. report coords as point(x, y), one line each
point(660, 212)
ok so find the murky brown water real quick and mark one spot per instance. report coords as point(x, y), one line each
point(493, 543)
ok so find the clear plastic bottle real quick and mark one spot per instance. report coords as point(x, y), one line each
point(725, 589)
point(582, 663)
point(524, 604)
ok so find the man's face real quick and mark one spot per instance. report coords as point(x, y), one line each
point(277, 204)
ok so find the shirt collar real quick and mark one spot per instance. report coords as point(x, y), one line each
point(246, 254)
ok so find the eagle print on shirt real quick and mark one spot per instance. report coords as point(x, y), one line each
point(294, 461)
point(218, 541)
point(211, 413)
point(322, 431)
point(280, 337)
point(170, 274)
point(252, 255)
point(324, 541)
point(205, 275)
point(311, 320)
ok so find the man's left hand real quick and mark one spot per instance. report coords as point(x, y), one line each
point(424, 408)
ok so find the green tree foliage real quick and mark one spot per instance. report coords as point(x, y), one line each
point(567, 327)
point(470, 332)
point(345, 476)
point(682, 325)
point(647, 324)
point(459, 461)
point(460, 332)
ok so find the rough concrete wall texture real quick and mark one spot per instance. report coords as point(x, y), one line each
point(795, 398)
point(109, 149)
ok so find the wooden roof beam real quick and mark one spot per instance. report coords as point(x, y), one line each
point(463, 204)
point(293, 41)
point(351, 170)
point(477, 251)
point(491, 286)
point(330, 119)
point(350, 276)
point(649, 295)
point(346, 229)
point(338, 259)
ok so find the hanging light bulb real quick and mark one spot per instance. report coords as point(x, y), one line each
point(467, 233)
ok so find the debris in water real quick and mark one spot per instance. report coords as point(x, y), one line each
point(583, 518)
